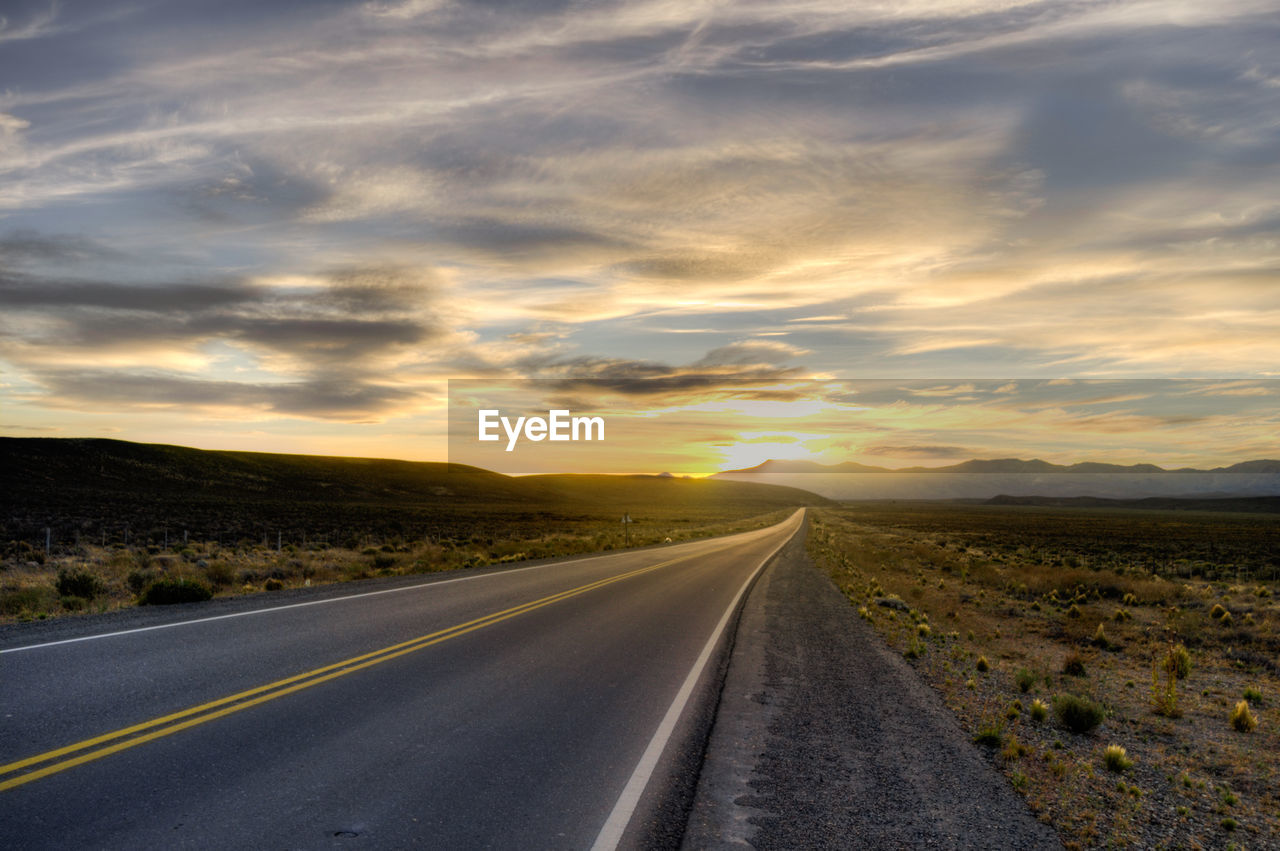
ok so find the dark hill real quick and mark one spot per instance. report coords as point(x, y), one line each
point(99, 487)
point(46, 468)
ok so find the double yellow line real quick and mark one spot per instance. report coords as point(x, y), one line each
point(52, 762)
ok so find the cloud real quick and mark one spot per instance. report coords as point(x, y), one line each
point(38, 24)
point(367, 290)
point(318, 342)
point(39, 429)
point(944, 390)
point(326, 399)
point(650, 377)
point(357, 195)
point(751, 353)
point(751, 371)
point(403, 10)
point(513, 241)
point(10, 125)
point(26, 246)
point(28, 293)
point(918, 450)
point(342, 341)
point(1232, 388)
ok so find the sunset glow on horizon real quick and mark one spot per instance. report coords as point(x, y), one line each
point(699, 426)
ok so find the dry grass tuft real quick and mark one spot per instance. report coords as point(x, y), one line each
point(1116, 759)
point(1025, 679)
point(1077, 713)
point(1180, 661)
point(1242, 718)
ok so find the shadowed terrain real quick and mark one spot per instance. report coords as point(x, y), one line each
point(126, 521)
point(95, 486)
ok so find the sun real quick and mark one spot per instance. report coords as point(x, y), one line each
point(750, 453)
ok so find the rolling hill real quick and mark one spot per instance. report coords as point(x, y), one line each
point(100, 486)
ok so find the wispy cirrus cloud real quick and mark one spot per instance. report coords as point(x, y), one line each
point(37, 23)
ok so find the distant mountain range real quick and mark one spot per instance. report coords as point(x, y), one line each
point(999, 465)
point(1015, 477)
point(1251, 504)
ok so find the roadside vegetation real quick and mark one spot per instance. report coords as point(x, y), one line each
point(93, 578)
point(1122, 668)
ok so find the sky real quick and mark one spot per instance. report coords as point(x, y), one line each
point(286, 226)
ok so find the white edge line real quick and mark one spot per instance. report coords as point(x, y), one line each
point(616, 825)
point(312, 602)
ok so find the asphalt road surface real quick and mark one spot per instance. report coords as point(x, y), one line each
point(533, 708)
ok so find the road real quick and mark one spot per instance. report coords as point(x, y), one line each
point(532, 708)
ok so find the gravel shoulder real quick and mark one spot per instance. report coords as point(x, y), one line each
point(824, 738)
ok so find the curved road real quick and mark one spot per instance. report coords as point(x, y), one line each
point(530, 708)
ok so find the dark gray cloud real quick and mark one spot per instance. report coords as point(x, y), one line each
point(923, 450)
point(26, 246)
point(377, 289)
point(676, 268)
point(341, 340)
point(359, 292)
point(319, 398)
point(328, 344)
point(259, 190)
point(53, 295)
point(563, 376)
point(750, 353)
point(496, 237)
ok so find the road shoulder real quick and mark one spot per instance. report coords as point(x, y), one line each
point(824, 738)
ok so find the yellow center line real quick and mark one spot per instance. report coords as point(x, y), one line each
point(261, 694)
point(14, 766)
